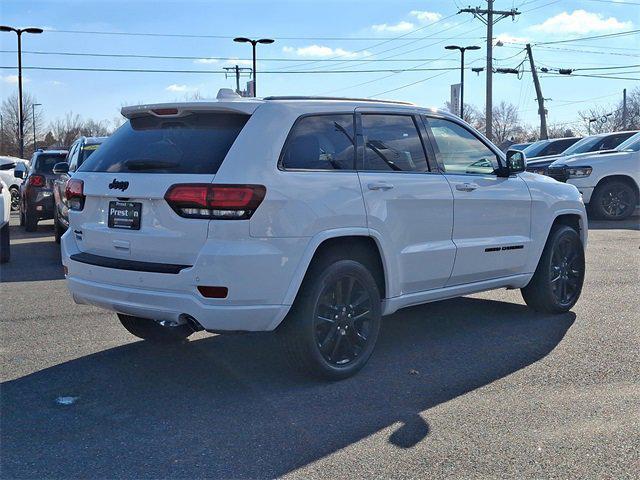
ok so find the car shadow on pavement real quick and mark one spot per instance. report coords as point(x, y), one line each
point(41, 259)
point(228, 406)
point(631, 223)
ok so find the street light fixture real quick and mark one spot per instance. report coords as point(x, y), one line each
point(462, 50)
point(253, 47)
point(19, 32)
point(33, 120)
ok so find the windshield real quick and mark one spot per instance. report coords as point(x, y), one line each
point(535, 148)
point(632, 144)
point(46, 161)
point(195, 143)
point(599, 142)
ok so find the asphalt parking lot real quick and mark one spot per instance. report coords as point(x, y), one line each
point(473, 387)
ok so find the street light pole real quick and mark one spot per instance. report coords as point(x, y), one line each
point(33, 120)
point(462, 50)
point(253, 49)
point(19, 32)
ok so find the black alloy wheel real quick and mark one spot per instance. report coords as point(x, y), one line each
point(343, 320)
point(566, 271)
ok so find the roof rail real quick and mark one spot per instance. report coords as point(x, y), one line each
point(302, 97)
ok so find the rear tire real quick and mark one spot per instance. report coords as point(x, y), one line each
point(22, 222)
point(154, 332)
point(557, 282)
point(58, 229)
point(4, 244)
point(30, 222)
point(614, 200)
point(333, 325)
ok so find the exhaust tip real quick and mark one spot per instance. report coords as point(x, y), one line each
point(192, 322)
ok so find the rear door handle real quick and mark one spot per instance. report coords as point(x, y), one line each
point(379, 186)
point(466, 187)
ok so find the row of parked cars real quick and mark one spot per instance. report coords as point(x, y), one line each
point(605, 168)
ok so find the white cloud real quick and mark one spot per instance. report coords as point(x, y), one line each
point(174, 87)
point(321, 51)
point(395, 28)
point(507, 38)
point(13, 79)
point(206, 60)
point(581, 22)
point(425, 16)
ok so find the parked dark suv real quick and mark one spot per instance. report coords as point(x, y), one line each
point(79, 151)
point(36, 192)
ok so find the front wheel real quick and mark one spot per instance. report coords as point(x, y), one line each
point(15, 199)
point(58, 229)
point(153, 331)
point(557, 281)
point(333, 325)
point(614, 200)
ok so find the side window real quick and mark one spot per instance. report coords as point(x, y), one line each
point(73, 158)
point(613, 141)
point(392, 143)
point(321, 142)
point(460, 151)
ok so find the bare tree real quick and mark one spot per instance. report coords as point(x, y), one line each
point(602, 119)
point(10, 132)
point(506, 123)
point(66, 130)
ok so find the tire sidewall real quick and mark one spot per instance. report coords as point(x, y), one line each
point(600, 192)
point(555, 238)
point(307, 313)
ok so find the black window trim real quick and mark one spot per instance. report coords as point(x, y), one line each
point(281, 166)
point(426, 148)
point(432, 140)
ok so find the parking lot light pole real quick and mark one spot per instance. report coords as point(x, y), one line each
point(462, 50)
point(253, 48)
point(19, 32)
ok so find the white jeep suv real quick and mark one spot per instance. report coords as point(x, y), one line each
point(312, 217)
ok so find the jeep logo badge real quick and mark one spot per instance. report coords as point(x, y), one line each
point(116, 185)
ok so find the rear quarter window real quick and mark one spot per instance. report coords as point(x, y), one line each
point(196, 143)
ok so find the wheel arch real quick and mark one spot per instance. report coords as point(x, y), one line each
point(359, 243)
point(574, 220)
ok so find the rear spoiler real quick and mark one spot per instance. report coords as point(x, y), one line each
point(176, 110)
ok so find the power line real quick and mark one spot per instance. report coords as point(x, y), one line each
point(188, 57)
point(607, 35)
point(617, 2)
point(230, 37)
point(407, 85)
point(216, 72)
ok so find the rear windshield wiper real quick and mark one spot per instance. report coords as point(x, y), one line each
point(137, 165)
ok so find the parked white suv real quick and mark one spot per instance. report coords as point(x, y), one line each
point(312, 217)
point(609, 181)
point(5, 212)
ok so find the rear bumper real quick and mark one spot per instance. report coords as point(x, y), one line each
point(41, 204)
point(159, 305)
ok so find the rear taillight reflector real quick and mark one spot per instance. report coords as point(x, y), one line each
point(213, 292)
point(74, 193)
point(37, 181)
point(165, 111)
point(222, 202)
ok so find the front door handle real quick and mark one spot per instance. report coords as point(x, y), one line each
point(466, 187)
point(379, 186)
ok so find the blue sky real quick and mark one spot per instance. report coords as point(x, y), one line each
point(360, 28)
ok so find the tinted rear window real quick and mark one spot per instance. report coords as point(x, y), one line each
point(45, 162)
point(196, 143)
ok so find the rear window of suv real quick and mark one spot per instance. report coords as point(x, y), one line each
point(197, 143)
point(45, 162)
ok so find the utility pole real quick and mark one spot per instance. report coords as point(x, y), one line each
point(536, 82)
point(486, 16)
point(237, 71)
point(624, 108)
point(33, 120)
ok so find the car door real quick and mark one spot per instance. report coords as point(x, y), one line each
point(492, 215)
point(409, 206)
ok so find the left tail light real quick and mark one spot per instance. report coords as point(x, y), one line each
point(74, 193)
point(214, 201)
point(37, 181)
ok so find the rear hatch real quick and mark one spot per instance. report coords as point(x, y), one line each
point(125, 215)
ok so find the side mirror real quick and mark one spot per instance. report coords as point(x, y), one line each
point(7, 166)
point(516, 161)
point(18, 173)
point(61, 168)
